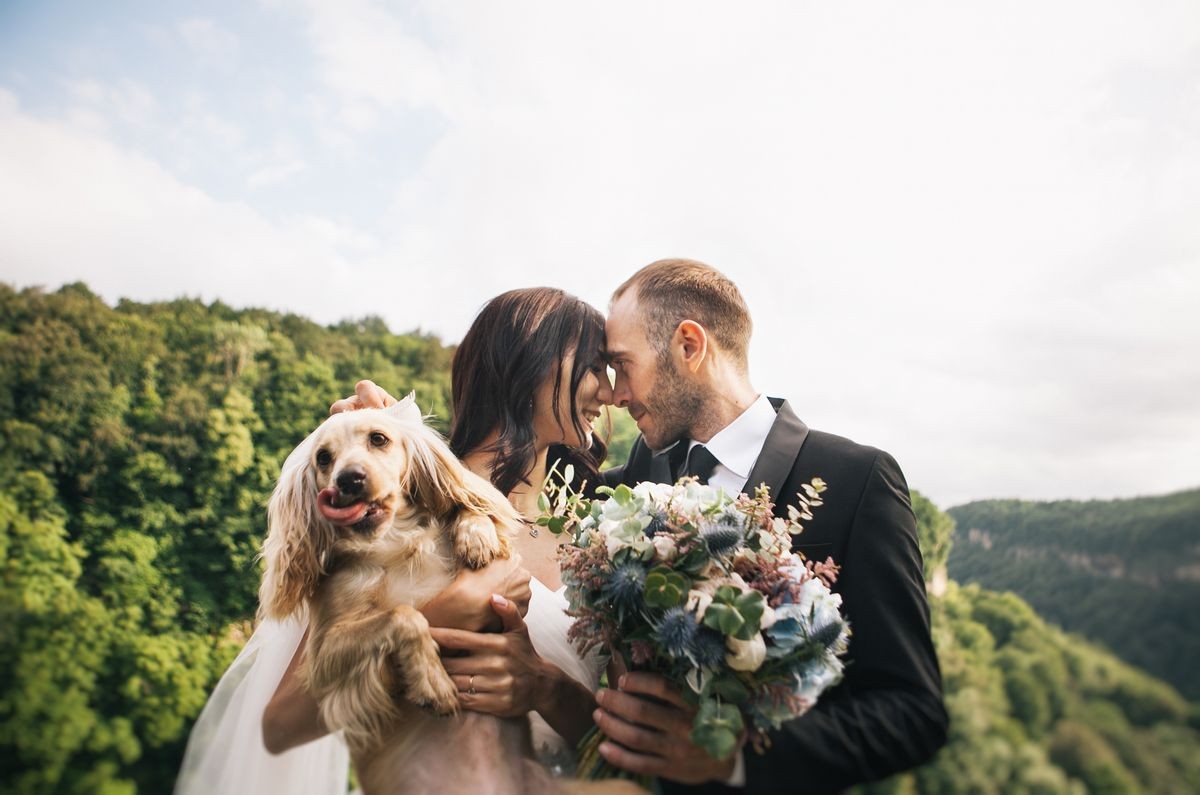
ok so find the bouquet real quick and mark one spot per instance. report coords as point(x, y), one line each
point(685, 581)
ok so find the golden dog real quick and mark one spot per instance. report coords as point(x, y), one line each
point(373, 515)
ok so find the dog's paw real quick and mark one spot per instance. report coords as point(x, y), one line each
point(435, 692)
point(476, 541)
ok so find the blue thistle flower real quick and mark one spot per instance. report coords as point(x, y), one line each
point(657, 525)
point(625, 585)
point(827, 635)
point(708, 650)
point(676, 632)
point(722, 538)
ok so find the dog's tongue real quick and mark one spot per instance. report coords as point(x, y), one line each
point(349, 515)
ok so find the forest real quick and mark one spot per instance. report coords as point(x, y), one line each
point(138, 445)
point(1124, 573)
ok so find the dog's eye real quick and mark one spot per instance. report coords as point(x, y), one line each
point(323, 458)
point(378, 439)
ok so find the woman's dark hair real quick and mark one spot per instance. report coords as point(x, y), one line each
point(519, 339)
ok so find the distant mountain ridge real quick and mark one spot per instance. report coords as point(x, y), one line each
point(1125, 573)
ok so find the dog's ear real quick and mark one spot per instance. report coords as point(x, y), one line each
point(298, 538)
point(406, 409)
point(438, 482)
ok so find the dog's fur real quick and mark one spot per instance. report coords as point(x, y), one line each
point(371, 663)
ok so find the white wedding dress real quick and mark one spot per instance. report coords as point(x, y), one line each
point(548, 623)
point(225, 751)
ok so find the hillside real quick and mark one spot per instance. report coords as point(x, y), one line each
point(1124, 573)
point(1033, 710)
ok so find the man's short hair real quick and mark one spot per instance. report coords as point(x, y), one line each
point(671, 291)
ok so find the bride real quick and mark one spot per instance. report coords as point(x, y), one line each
point(528, 381)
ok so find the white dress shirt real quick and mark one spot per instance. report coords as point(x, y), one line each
point(737, 445)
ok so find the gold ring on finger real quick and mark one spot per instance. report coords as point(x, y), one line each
point(471, 686)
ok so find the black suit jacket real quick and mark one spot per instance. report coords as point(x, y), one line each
point(887, 714)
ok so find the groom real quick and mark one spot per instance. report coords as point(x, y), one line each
point(678, 336)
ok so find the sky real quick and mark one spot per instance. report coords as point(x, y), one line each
point(968, 232)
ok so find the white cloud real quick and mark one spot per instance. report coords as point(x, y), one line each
point(127, 101)
point(967, 233)
point(278, 172)
point(71, 196)
point(373, 61)
point(208, 39)
point(930, 199)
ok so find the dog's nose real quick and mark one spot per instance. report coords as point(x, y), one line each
point(351, 479)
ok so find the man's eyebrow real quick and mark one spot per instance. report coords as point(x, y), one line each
point(611, 355)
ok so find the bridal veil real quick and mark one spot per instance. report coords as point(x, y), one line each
point(225, 751)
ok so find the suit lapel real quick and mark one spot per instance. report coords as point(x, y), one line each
point(779, 452)
point(663, 464)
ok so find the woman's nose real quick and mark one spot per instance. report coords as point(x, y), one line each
point(605, 393)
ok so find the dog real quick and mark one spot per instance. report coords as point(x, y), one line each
point(373, 516)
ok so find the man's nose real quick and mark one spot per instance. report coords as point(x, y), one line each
point(620, 393)
point(351, 479)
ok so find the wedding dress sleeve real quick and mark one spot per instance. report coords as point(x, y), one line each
point(548, 623)
point(225, 751)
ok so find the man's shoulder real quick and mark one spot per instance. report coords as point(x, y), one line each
point(822, 446)
point(843, 462)
point(829, 445)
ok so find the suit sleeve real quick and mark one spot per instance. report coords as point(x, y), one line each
point(887, 714)
point(615, 476)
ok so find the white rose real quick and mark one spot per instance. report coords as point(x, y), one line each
point(768, 617)
point(664, 545)
point(746, 655)
point(613, 544)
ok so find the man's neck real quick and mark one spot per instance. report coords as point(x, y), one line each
point(724, 405)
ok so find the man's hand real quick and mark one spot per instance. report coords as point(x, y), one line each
point(651, 725)
point(367, 395)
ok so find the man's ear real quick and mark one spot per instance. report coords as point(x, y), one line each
point(691, 344)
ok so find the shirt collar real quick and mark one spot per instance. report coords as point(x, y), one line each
point(738, 444)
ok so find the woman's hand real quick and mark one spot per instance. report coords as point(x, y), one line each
point(467, 602)
point(501, 674)
point(509, 678)
point(367, 395)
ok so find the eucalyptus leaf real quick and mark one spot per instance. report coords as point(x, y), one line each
point(728, 687)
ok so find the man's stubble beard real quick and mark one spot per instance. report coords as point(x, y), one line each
point(675, 403)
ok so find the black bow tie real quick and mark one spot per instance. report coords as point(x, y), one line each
point(700, 463)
